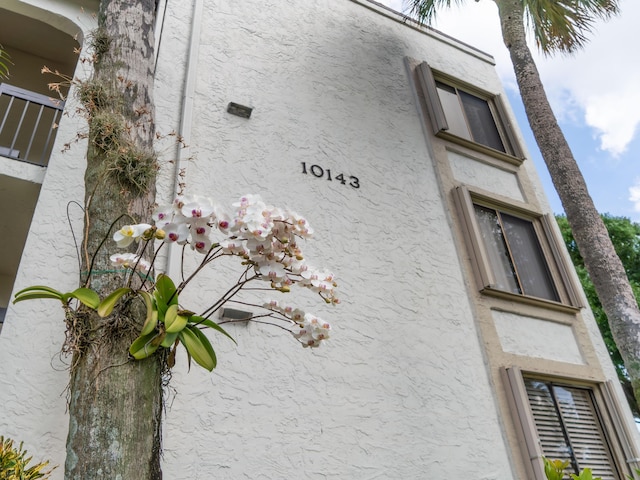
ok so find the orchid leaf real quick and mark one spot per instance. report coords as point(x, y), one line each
point(36, 295)
point(195, 319)
point(198, 347)
point(108, 304)
point(166, 289)
point(170, 316)
point(178, 324)
point(38, 291)
point(145, 346)
point(86, 296)
point(151, 321)
point(39, 287)
point(206, 343)
point(169, 339)
point(160, 304)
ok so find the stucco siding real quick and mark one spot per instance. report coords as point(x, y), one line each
point(384, 398)
point(407, 387)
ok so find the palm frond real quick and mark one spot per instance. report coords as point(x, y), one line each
point(564, 25)
point(424, 11)
point(5, 61)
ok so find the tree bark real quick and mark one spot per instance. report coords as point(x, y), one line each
point(597, 250)
point(115, 403)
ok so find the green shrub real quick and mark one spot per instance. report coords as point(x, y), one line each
point(14, 463)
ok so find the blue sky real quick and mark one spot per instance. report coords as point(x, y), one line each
point(595, 94)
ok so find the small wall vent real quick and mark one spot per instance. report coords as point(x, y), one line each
point(239, 110)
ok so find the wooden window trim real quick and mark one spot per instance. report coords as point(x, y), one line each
point(615, 431)
point(427, 82)
point(434, 106)
point(523, 419)
point(509, 132)
point(628, 448)
point(465, 198)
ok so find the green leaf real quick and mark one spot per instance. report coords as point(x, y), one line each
point(207, 344)
point(169, 339)
point(85, 296)
point(170, 316)
point(5, 61)
point(38, 291)
point(166, 289)
point(43, 288)
point(211, 324)
point(144, 346)
point(36, 295)
point(178, 324)
point(108, 304)
point(160, 304)
point(586, 474)
point(198, 347)
point(554, 469)
point(151, 322)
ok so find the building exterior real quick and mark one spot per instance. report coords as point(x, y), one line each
point(463, 347)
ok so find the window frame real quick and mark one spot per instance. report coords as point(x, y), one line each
point(466, 198)
point(427, 79)
point(614, 430)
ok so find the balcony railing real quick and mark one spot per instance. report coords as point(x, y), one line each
point(28, 123)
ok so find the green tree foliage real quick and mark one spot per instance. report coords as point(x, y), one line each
point(625, 236)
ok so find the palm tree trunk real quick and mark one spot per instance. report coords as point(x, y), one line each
point(600, 259)
point(115, 404)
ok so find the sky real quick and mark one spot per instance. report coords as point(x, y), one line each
point(595, 94)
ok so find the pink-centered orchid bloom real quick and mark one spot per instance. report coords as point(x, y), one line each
point(311, 331)
point(197, 209)
point(176, 233)
point(130, 260)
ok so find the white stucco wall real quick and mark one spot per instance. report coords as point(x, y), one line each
point(401, 391)
point(33, 377)
point(537, 338)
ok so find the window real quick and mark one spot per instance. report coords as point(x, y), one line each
point(568, 421)
point(569, 428)
point(513, 251)
point(465, 115)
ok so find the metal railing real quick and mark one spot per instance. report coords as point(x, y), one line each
point(28, 123)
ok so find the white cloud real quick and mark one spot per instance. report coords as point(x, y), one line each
point(634, 196)
point(615, 117)
point(596, 86)
point(397, 5)
point(602, 80)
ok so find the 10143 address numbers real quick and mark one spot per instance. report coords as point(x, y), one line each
point(319, 172)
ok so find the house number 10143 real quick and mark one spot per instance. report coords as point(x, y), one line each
point(319, 172)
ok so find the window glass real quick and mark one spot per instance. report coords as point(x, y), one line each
point(514, 253)
point(481, 122)
point(569, 428)
point(469, 117)
point(496, 248)
point(529, 260)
